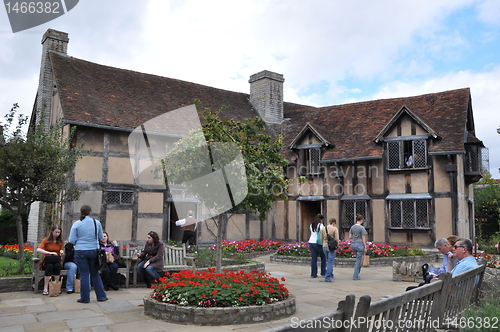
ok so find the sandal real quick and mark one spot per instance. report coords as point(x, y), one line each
point(45, 293)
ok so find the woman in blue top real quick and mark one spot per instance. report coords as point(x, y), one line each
point(85, 235)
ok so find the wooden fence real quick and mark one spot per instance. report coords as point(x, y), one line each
point(427, 308)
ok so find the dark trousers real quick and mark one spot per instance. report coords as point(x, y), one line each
point(189, 236)
point(108, 274)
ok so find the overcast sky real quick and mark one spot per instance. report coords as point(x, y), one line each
point(330, 52)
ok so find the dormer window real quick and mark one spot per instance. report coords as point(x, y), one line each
point(309, 145)
point(310, 161)
point(406, 153)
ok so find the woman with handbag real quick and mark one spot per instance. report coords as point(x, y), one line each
point(151, 259)
point(357, 234)
point(85, 234)
point(112, 256)
point(316, 246)
point(52, 247)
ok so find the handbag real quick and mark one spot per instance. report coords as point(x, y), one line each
point(109, 257)
point(55, 287)
point(120, 262)
point(365, 261)
point(100, 262)
point(318, 235)
point(332, 243)
point(77, 285)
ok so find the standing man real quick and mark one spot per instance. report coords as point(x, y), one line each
point(188, 225)
point(463, 251)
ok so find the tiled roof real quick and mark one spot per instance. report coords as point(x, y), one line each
point(107, 96)
point(352, 128)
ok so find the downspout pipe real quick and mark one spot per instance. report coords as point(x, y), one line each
point(451, 169)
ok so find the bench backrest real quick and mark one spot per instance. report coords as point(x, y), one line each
point(174, 255)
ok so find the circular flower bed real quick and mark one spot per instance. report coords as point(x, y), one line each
point(226, 289)
point(209, 298)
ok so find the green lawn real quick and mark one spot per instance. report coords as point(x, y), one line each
point(4, 262)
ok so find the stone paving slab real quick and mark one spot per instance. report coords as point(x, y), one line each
point(29, 312)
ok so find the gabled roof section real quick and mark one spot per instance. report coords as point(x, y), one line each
point(351, 128)
point(397, 116)
point(308, 127)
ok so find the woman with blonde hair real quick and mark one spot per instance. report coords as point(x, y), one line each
point(52, 247)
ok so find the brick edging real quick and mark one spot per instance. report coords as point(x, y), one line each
point(349, 262)
point(218, 316)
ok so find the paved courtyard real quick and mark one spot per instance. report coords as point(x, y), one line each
point(123, 312)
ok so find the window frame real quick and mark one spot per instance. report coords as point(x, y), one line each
point(121, 193)
point(308, 157)
point(346, 224)
point(416, 210)
point(400, 149)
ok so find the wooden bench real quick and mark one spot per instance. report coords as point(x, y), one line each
point(174, 259)
point(39, 274)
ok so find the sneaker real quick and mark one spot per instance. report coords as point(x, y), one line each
point(70, 291)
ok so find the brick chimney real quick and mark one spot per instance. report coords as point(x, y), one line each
point(266, 95)
point(57, 41)
point(52, 41)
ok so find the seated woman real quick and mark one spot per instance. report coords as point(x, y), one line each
point(70, 265)
point(108, 275)
point(151, 259)
point(52, 247)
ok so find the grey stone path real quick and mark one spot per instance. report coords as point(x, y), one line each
point(27, 312)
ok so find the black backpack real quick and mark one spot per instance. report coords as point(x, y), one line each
point(332, 243)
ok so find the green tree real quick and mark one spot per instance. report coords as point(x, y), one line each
point(252, 188)
point(487, 206)
point(36, 166)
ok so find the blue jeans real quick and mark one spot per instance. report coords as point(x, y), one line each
point(70, 279)
point(359, 249)
point(330, 257)
point(86, 260)
point(145, 272)
point(317, 250)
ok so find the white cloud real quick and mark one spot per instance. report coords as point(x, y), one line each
point(489, 12)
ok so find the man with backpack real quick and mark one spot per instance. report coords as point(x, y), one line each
point(330, 240)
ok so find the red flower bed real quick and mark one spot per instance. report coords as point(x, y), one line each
point(226, 289)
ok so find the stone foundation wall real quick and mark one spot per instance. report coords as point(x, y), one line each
point(19, 284)
point(218, 316)
point(349, 262)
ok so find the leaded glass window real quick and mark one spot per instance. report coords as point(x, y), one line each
point(409, 213)
point(120, 197)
